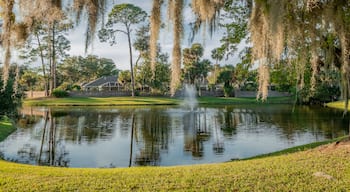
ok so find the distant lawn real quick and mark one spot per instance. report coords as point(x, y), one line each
point(125, 101)
point(6, 127)
point(337, 105)
point(100, 101)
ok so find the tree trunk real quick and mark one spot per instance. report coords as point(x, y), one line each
point(131, 65)
point(54, 56)
point(42, 65)
point(132, 138)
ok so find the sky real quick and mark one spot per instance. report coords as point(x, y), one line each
point(119, 52)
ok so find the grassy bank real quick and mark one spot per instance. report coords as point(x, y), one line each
point(125, 101)
point(6, 127)
point(320, 169)
point(298, 148)
point(337, 105)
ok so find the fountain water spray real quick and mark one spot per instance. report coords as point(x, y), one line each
point(190, 99)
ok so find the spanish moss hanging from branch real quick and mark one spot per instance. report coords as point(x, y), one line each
point(155, 23)
point(176, 56)
point(95, 13)
point(8, 22)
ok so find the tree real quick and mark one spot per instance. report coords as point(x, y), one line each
point(141, 44)
point(29, 79)
point(48, 39)
point(124, 78)
point(227, 77)
point(213, 76)
point(160, 82)
point(205, 12)
point(191, 58)
point(89, 68)
point(127, 15)
point(217, 54)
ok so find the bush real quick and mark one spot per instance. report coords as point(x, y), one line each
point(59, 93)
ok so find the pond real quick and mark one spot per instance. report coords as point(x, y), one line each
point(164, 135)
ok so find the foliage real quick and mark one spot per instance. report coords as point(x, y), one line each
point(226, 76)
point(6, 127)
point(195, 70)
point(59, 93)
point(47, 43)
point(9, 99)
point(243, 75)
point(283, 77)
point(156, 79)
point(127, 15)
point(89, 68)
point(234, 21)
point(213, 76)
point(326, 87)
point(124, 78)
point(161, 77)
point(29, 79)
point(292, 172)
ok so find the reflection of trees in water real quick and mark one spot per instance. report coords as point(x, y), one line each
point(196, 131)
point(315, 120)
point(51, 151)
point(152, 133)
point(319, 121)
point(79, 126)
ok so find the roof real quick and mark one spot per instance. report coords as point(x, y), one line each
point(101, 81)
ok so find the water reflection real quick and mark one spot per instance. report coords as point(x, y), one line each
point(158, 136)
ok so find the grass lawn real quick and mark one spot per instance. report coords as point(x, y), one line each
point(326, 168)
point(6, 127)
point(126, 101)
point(337, 105)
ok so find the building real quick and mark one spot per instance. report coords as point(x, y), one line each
point(106, 83)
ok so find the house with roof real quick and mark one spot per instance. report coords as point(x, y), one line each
point(106, 83)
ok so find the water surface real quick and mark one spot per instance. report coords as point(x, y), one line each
point(164, 135)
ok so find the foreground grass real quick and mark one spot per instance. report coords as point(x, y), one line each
point(6, 127)
point(337, 105)
point(298, 148)
point(326, 169)
point(126, 101)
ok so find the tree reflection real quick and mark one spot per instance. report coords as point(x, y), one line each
point(52, 149)
point(152, 135)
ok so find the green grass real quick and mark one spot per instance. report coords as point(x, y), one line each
point(337, 105)
point(292, 172)
point(6, 127)
point(100, 101)
point(127, 101)
point(297, 148)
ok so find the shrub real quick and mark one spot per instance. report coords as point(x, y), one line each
point(59, 93)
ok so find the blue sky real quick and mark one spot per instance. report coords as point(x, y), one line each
point(119, 53)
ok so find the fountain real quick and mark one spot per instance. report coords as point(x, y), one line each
point(190, 100)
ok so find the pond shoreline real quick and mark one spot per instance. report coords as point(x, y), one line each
point(6, 127)
point(286, 171)
point(292, 172)
point(142, 101)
